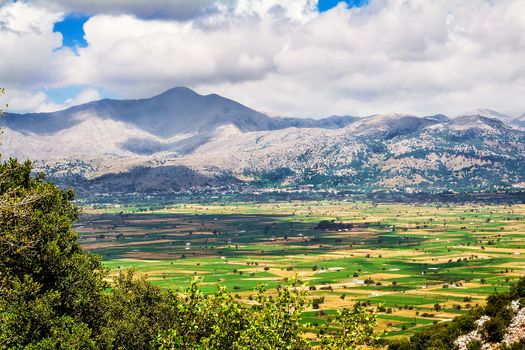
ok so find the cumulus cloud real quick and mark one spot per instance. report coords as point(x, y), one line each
point(19, 100)
point(25, 101)
point(181, 10)
point(411, 56)
point(144, 57)
point(282, 57)
point(172, 9)
point(28, 46)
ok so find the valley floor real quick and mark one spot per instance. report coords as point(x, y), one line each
point(418, 264)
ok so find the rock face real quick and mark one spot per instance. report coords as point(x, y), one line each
point(514, 333)
point(180, 140)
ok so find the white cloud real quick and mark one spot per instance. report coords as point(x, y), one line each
point(296, 10)
point(28, 47)
point(84, 96)
point(15, 99)
point(411, 56)
point(281, 57)
point(172, 9)
point(183, 10)
point(25, 101)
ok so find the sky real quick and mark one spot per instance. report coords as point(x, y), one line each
point(302, 58)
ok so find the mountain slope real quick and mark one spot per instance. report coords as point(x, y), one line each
point(180, 140)
point(386, 151)
point(489, 113)
point(177, 111)
point(175, 121)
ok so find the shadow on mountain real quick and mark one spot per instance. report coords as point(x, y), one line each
point(147, 147)
point(176, 111)
point(38, 123)
point(158, 180)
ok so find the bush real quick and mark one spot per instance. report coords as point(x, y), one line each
point(495, 328)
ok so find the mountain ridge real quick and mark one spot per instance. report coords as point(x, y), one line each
point(102, 145)
point(178, 106)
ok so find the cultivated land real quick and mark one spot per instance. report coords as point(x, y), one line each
point(402, 259)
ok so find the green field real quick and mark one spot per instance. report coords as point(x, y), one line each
point(403, 259)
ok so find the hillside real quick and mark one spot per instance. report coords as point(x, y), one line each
point(103, 145)
point(500, 325)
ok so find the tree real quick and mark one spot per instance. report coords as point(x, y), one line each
point(221, 322)
point(49, 286)
point(136, 312)
point(356, 329)
point(2, 91)
point(274, 322)
point(203, 322)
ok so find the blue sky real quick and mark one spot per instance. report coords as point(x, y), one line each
point(324, 5)
point(72, 30)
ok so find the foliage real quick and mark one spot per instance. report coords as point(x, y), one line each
point(221, 322)
point(203, 322)
point(516, 346)
point(136, 311)
point(357, 328)
point(443, 335)
point(2, 91)
point(495, 329)
point(49, 286)
point(274, 322)
point(332, 225)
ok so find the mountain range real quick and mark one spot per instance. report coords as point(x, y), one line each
point(180, 140)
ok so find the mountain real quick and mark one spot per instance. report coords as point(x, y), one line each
point(333, 122)
point(519, 122)
point(180, 140)
point(176, 111)
point(384, 151)
point(177, 120)
point(489, 113)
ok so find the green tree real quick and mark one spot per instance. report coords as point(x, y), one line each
point(204, 322)
point(49, 286)
point(136, 312)
point(221, 322)
point(274, 322)
point(356, 329)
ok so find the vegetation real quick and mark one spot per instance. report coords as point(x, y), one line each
point(498, 314)
point(416, 264)
point(51, 291)
point(54, 295)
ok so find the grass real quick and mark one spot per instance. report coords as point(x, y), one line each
point(411, 257)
